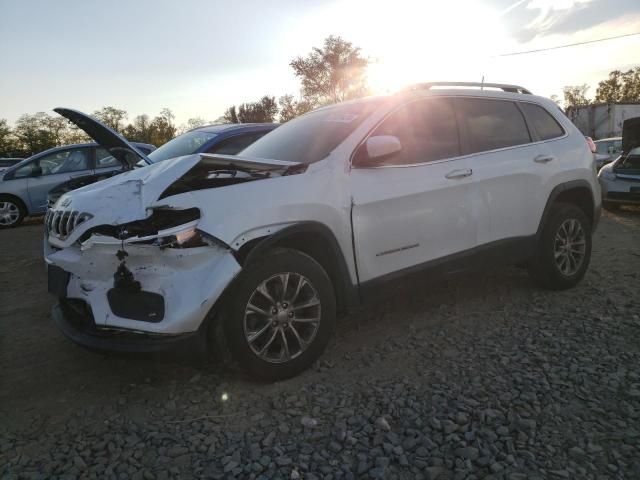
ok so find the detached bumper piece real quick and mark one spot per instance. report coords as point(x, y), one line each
point(74, 319)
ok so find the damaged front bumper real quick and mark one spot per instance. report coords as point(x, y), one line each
point(75, 320)
point(168, 295)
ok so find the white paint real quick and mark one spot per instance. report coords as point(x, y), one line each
point(421, 211)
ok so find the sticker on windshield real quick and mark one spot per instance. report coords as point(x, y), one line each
point(341, 117)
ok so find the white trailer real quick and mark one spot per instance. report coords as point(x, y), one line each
point(603, 120)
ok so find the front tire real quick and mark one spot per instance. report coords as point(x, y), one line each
point(564, 249)
point(11, 212)
point(280, 316)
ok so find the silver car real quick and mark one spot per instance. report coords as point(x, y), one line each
point(24, 187)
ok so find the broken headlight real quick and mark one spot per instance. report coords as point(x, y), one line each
point(187, 238)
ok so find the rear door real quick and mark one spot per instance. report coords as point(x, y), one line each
point(56, 168)
point(510, 167)
point(418, 206)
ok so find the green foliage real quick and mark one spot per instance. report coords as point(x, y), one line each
point(621, 87)
point(162, 127)
point(8, 141)
point(112, 117)
point(231, 115)
point(332, 74)
point(263, 110)
point(290, 108)
point(575, 96)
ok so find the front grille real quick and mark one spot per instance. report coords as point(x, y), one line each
point(60, 223)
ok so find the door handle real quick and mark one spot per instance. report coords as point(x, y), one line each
point(543, 158)
point(465, 172)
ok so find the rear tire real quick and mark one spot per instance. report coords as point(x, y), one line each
point(564, 249)
point(11, 212)
point(280, 315)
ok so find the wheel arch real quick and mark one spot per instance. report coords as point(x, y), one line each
point(575, 192)
point(18, 200)
point(316, 240)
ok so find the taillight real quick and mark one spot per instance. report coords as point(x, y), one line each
point(591, 143)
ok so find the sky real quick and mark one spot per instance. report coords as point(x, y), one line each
point(197, 57)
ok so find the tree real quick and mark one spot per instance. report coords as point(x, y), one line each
point(264, 110)
point(112, 117)
point(575, 96)
point(619, 87)
point(332, 74)
point(162, 128)
point(192, 123)
point(33, 132)
point(8, 141)
point(231, 115)
point(139, 130)
point(290, 108)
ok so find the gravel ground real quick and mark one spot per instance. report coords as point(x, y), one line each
point(475, 376)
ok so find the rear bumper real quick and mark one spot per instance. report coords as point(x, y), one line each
point(75, 321)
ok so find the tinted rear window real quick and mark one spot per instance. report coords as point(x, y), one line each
point(492, 124)
point(542, 121)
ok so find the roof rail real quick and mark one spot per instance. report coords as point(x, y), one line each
point(502, 86)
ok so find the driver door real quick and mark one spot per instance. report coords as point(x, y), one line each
point(56, 168)
point(417, 206)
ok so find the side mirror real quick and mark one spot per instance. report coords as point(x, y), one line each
point(36, 171)
point(376, 149)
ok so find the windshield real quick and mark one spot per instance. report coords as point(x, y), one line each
point(313, 136)
point(185, 144)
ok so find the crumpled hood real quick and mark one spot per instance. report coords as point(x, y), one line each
point(126, 197)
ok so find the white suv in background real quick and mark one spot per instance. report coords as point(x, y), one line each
point(257, 253)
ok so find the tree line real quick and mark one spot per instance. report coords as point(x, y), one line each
point(332, 73)
point(619, 87)
point(40, 131)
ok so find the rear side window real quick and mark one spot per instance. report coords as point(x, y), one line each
point(492, 124)
point(544, 124)
point(427, 131)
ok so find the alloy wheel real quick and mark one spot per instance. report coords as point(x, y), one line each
point(9, 213)
point(569, 247)
point(282, 317)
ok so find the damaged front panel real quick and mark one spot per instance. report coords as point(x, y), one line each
point(188, 280)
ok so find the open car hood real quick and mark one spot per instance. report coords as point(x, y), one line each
point(630, 134)
point(107, 138)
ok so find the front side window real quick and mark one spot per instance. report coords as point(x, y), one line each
point(543, 123)
point(311, 137)
point(234, 145)
point(427, 131)
point(492, 124)
point(64, 161)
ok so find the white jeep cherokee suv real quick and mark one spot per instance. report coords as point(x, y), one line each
point(257, 253)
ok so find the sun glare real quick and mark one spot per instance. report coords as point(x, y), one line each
point(417, 41)
point(411, 41)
